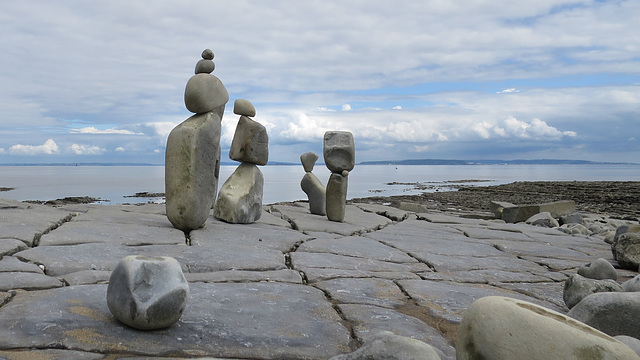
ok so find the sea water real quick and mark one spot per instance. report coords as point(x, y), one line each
point(282, 183)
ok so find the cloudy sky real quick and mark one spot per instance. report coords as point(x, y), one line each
point(87, 81)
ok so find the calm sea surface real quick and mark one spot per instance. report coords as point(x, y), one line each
point(282, 183)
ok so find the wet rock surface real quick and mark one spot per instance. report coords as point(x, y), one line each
point(291, 285)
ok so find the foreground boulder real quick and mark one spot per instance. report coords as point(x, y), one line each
point(500, 328)
point(613, 313)
point(598, 269)
point(578, 287)
point(626, 249)
point(390, 346)
point(147, 293)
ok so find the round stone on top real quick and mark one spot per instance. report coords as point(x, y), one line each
point(244, 107)
point(207, 54)
point(205, 66)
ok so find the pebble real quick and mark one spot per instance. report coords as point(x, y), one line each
point(614, 313)
point(500, 328)
point(627, 250)
point(389, 346)
point(577, 287)
point(598, 269)
point(250, 142)
point(244, 107)
point(147, 293)
point(308, 161)
point(339, 151)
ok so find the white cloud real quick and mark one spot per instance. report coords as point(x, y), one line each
point(49, 147)
point(93, 130)
point(510, 90)
point(2, 151)
point(346, 107)
point(86, 149)
point(398, 107)
point(120, 149)
point(324, 109)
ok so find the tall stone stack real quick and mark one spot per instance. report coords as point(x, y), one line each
point(311, 185)
point(240, 197)
point(192, 159)
point(340, 158)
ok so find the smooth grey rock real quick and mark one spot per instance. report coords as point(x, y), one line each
point(336, 197)
point(205, 66)
point(240, 197)
point(500, 328)
point(627, 250)
point(369, 321)
point(231, 320)
point(13, 264)
point(387, 345)
point(543, 219)
point(497, 207)
point(244, 107)
point(339, 151)
point(613, 313)
point(192, 169)
point(205, 93)
point(11, 246)
point(147, 293)
point(27, 281)
point(207, 54)
point(308, 161)
point(578, 287)
point(632, 285)
point(631, 342)
point(598, 269)
point(250, 142)
point(316, 193)
point(523, 212)
point(573, 218)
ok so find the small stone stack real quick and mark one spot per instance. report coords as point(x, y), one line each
point(340, 158)
point(311, 185)
point(192, 159)
point(240, 197)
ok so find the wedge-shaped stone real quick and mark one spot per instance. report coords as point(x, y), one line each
point(240, 198)
point(192, 167)
point(250, 142)
point(316, 193)
point(147, 293)
point(339, 151)
point(500, 328)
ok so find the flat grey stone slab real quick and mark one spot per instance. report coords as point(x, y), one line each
point(84, 232)
point(371, 320)
point(539, 249)
point(448, 301)
point(284, 275)
point(357, 246)
point(506, 262)
point(86, 277)
point(493, 234)
point(551, 292)
point(62, 260)
point(486, 276)
point(379, 292)
point(11, 246)
point(268, 218)
point(308, 262)
point(556, 264)
point(356, 221)
point(218, 234)
point(13, 264)
point(443, 218)
point(392, 213)
point(50, 354)
point(316, 274)
point(27, 281)
point(253, 320)
point(27, 222)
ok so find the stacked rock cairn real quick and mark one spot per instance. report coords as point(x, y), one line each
point(311, 185)
point(340, 158)
point(240, 197)
point(192, 159)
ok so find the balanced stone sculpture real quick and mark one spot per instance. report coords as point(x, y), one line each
point(240, 197)
point(311, 185)
point(192, 159)
point(147, 293)
point(340, 158)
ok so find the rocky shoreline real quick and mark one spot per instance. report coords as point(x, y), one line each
point(615, 199)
